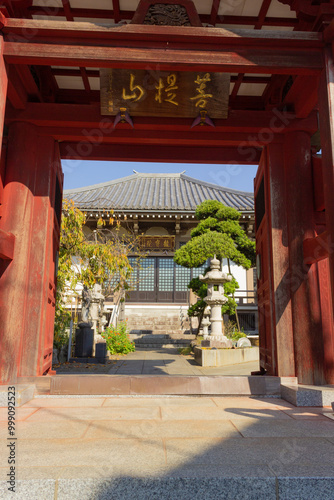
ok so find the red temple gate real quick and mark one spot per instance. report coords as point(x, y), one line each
point(293, 190)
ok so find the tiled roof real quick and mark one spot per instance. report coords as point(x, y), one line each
point(156, 192)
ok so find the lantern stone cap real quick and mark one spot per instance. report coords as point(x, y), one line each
point(215, 275)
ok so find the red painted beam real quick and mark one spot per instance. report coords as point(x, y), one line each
point(124, 134)
point(176, 36)
point(128, 15)
point(67, 10)
point(116, 14)
point(214, 11)
point(58, 115)
point(262, 14)
point(303, 95)
point(236, 87)
point(159, 153)
point(243, 61)
point(85, 79)
point(7, 242)
point(316, 249)
point(16, 91)
point(29, 83)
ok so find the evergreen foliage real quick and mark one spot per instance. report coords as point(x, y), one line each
point(218, 233)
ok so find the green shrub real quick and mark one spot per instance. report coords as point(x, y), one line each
point(232, 332)
point(117, 339)
point(238, 335)
point(185, 351)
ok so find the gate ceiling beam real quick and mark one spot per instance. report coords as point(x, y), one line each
point(88, 115)
point(149, 36)
point(126, 135)
point(243, 60)
point(156, 153)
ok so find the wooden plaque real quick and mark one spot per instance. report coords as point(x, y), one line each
point(164, 93)
point(157, 242)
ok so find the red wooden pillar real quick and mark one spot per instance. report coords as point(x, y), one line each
point(303, 279)
point(3, 90)
point(326, 116)
point(279, 263)
point(326, 121)
point(31, 212)
point(275, 314)
point(6, 240)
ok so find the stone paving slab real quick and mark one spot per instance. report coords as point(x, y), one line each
point(254, 451)
point(85, 452)
point(70, 402)
point(142, 401)
point(251, 416)
point(169, 488)
point(168, 361)
point(46, 429)
point(283, 428)
point(34, 489)
point(20, 414)
point(161, 429)
point(228, 402)
point(96, 413)
point(170, 448)
point(308, 488)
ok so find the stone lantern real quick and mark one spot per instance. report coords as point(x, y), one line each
point(215, 279)
point(206, 321)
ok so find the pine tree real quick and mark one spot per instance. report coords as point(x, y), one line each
point(218, 233)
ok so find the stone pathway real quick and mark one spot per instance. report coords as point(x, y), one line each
point(182, 448)
point(166, 361)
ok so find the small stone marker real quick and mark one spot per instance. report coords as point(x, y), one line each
point(244, 342)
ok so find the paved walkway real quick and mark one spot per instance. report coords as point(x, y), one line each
point(165, 361)
point(170, 362)
point(182, 448)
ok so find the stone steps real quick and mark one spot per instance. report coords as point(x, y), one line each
point(160, 333)
point(157, 320)
point(308, 395)
point(197, 385)
point(184, 484)
point(161, 340)
point(23, 394)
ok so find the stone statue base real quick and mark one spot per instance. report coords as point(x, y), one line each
point(85, 324)
point(84, 339)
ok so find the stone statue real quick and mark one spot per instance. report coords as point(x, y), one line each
point(85, 307)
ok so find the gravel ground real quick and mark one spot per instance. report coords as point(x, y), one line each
point(86, 367)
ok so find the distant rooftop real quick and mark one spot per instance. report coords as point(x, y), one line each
point(156, 192)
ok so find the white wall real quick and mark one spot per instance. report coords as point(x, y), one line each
point(239, 274)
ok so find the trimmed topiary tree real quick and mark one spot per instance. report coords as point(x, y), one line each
point(218, 233)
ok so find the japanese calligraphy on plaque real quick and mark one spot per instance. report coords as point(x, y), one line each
point(166, 93)
point(157, 243)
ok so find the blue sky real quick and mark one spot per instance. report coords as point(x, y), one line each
point(80, 173)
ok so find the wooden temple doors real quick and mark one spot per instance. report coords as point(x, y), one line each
point(31, 210)
point(295, 325)
point(263, 267)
